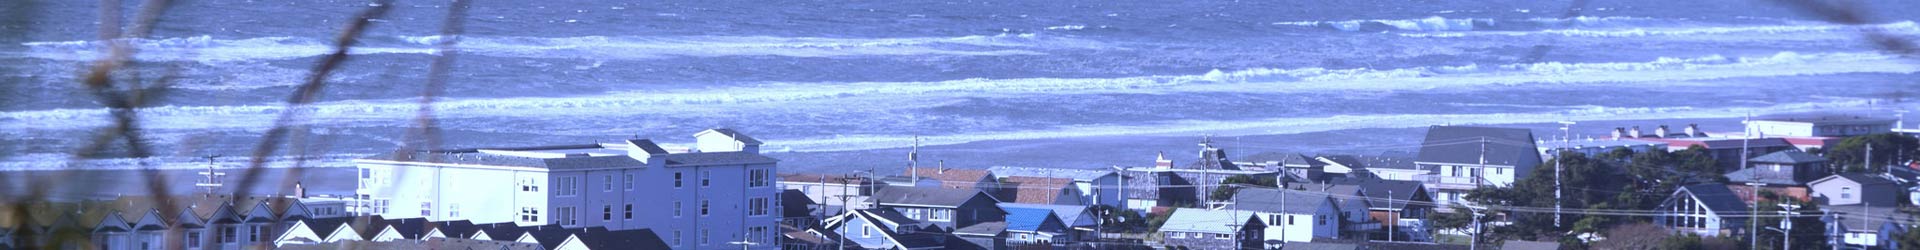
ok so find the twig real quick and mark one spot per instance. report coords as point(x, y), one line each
point(309, 91)
point(1850, 13)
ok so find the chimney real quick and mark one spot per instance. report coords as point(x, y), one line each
point(942, 166)
point(1161, 161)
point(1635, 132)
point(1660, 132)
point(1619, 132)
point(1693, 130)
point(299, 190)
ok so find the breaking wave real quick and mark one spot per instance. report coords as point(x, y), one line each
point(1898, 27)
point(208, 49)
point(1437, 23)
point(784, 95)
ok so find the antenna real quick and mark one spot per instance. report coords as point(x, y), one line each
point(214, 178)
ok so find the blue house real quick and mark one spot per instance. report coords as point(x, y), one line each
point(1034, 227)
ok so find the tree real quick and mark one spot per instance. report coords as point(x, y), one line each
point(1909, 239)
point(1807, 231)
point(1634, 236)
point(1888, 148)
point(1232, 184)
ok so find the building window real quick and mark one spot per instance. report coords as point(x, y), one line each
point(529, 214)
point(568, 186)
point(703, 207)
point(1176, 235)
point(366, 176)
point(567, 216)
point(1323, 220)
point(866, 231)
point(453, 210)
point(706, 178)
point(629, 211)
point(228, 235)
point(258, 234)
point(606, 183)
point(704, 235)
point(757, 234)
point(606, 213)
point(940, 215)
point(676, 237)
point(629, 182)
point(1220, 236)
point(758, 206)
point(1846, 192)
point(1289, 220)
point(193, 239)
point(380, 205)
point(757, 178)
point(1499, 171)
point(676, 209)
point(426, 209)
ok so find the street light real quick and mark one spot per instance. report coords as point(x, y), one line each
point(1566, 131)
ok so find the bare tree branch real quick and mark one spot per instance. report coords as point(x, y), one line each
point(309, 91)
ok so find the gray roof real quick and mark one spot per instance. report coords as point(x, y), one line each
point(1751, 143)
point(475, 157)
point(1716, 197)
point(1271, 200)
point(1865, 179)
point(1824, 117)
point(1747, 175)
point(1378, 189)
point(1205, 221)
point(1865, 218)
point(1388, 162)
point(890, 215)
point(1529, 245)
point(924, 196)
point(990, 228)
point(716, 158)
point(1075, 174)
point(1788, 157)
point(1464, 145)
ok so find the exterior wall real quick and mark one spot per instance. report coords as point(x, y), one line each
point(654, 197)
point(1819, 129)
point(1688, 215)
point(1198, 241)
point(829, 193)
point(1397, 174)
point(418, 190)
point(1846, 192)
point(868, 235)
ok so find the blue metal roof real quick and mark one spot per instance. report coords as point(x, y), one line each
point(1028, 219)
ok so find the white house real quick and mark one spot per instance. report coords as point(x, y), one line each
point(1461, 158)
point(1293, 215)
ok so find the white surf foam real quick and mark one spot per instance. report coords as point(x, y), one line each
point(208, 49)
point(784, 95)
point(1432, 23)
point(1905, 27)
point(47, 162)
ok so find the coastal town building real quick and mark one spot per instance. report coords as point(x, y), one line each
point(720, 190)
point(1462, 158)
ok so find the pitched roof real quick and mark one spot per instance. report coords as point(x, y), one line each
point(1028, 219)
point(1205, 221)
point(623, 239)
point(794, 203)
point(1716, 197)
point(964, 176)
point(889, 215)
point(1279, 201)
point(990, 228)
point(1388, 162)
point(1751, 143)
point(1465, 144)
point(1067, 213)
point(1788, 157)
point(923, 196)
point(1034, 190)
point(736, 135)
point(1397, 190)
point(1747, 175)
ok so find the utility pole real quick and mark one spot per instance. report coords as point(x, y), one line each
point(1867, 164)
point(1473, 243)
point(1559, 165)
point(1395, 224)
point(1753, 221)
point(913, 162)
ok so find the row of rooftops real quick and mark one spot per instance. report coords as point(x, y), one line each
point(132, 212)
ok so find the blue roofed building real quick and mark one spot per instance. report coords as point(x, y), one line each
point(1035, 227)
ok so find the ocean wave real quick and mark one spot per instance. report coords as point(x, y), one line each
point(1295, 125)
point(1437, 23)
point(208, 49)
point(54, 161)
point(1432, 23)
point(785, 95)
point(1907, 27)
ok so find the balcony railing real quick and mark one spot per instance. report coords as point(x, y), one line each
point(1452, 182)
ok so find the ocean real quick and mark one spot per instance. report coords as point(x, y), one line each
point(835, 86)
